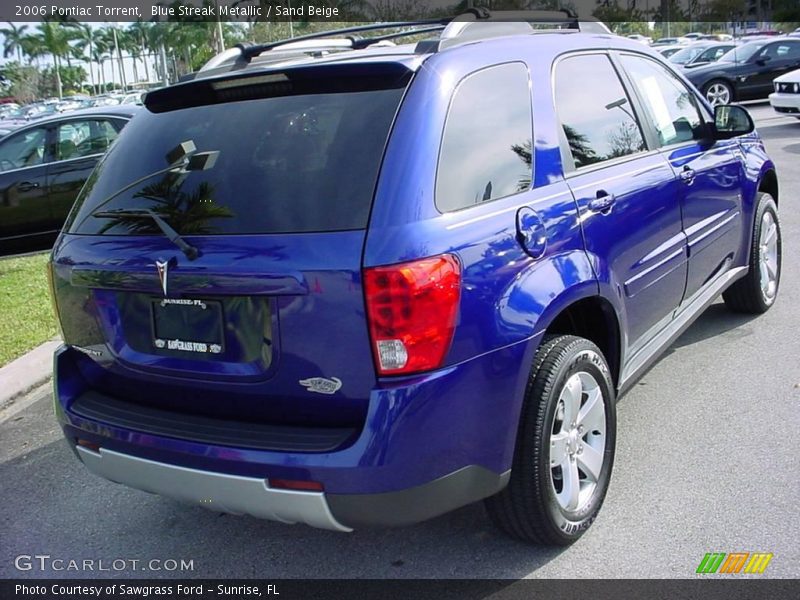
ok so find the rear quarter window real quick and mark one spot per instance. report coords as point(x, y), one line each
point(486, 145)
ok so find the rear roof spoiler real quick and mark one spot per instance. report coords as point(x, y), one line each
point(301, 79)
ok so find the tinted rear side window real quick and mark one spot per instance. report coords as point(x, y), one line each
point(596, 114)
point(486, 148)
point(287, 164)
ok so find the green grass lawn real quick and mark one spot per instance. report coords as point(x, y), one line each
point(26, 316)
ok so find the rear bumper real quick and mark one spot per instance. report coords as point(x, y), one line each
point(215, 491)
point(251, 496)
point(429, 444)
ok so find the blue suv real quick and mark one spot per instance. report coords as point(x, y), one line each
point(344, 282)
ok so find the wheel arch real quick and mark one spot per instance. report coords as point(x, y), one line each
point(592, 317)
point(768, 182)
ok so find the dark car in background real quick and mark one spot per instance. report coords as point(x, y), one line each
point(701, 53)
point(747, 71)
point(43, 166)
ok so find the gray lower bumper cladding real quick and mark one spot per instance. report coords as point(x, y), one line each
point(215, 491)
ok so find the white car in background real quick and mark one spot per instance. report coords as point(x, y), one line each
point(786, 97)
point(646, 40)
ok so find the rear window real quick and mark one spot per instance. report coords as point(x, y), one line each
point(289, 164)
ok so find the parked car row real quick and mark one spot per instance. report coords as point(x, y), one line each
point(747, 72)
point(681, 40)
point(727, 70)
point(13, 116)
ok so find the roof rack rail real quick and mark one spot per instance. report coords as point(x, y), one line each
point(243, 53)
point(481, 23)
point(455, 30)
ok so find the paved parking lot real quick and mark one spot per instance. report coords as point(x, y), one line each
point(707, 460)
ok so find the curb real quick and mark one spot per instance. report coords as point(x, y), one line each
point(27, 372)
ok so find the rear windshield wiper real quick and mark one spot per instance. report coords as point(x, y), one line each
point(145, 213)
point(183, 159)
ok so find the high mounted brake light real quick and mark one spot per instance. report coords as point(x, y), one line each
point(412, 310)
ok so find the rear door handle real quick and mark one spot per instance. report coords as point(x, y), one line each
point(602, 202)
point(27, 186)
point(687, 175)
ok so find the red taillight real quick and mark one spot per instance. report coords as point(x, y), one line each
point(412, 309)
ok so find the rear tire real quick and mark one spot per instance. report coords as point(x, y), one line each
point(756, 292)
point(565, 446)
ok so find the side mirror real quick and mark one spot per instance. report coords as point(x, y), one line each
point(762, 60)
point(731, 121)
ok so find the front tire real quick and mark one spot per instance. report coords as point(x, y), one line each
point(756, 292)
point(565, 446)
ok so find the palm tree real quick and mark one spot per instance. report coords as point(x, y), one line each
point(54, 39)
point(139, 32)
point(116, 43)
point(13, 37)
point(32, 47)
point(130, 44)
point(107, 41)
point(88, 39)
point(98, 56)
point(158, 39)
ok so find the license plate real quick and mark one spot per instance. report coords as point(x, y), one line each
point(184, 325)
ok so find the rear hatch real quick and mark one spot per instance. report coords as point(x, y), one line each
point(212, 263)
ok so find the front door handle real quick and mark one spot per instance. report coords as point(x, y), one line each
point(688, 175)
point(27, 186)
point(602, 202)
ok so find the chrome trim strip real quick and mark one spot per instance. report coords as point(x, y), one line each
point(632, 290)
point(709, 230)
point(641, 361)
point(64, 161)
point(54, 163)
point(626, 175)
point(216, 491)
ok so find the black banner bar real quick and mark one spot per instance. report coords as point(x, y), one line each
point(732, 588)
point(338, 11)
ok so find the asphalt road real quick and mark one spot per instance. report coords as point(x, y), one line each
point(707, 460)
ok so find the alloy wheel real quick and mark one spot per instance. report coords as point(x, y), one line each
point(577, 441)
point(768, 257)
point(718, 94)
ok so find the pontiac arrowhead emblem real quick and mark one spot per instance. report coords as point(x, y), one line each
point(162, 274)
